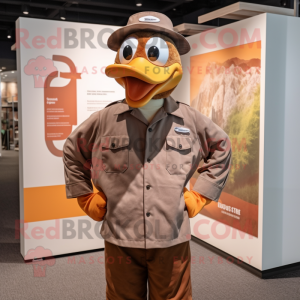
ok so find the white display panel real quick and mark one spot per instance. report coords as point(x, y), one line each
point(277, 241)
point(281, 238)
point(48, 113)
point(225, 42)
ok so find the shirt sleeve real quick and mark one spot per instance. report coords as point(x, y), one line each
point(77, 154)
point(216, 154)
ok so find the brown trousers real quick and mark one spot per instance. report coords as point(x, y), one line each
point(166, 270)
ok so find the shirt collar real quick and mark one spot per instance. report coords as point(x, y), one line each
point(124, 107)
point(170, 106)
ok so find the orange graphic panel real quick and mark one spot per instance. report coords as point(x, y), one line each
point(49, 203)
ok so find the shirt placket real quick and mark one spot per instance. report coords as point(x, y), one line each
point(149, 172)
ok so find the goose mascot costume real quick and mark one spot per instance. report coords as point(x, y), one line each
point(140, 153)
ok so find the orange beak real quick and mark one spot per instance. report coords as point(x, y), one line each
point(142, 80)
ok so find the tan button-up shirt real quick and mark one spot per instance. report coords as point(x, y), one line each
point(143, 167)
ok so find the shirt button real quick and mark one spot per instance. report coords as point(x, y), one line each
point(148, 214)
point(148, 187)
point(180, 146)
point(148, 160)
point(113, 145)
point(150, 129)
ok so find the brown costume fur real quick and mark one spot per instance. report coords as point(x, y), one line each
point(142, 38)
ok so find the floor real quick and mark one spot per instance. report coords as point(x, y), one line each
point(82, 276)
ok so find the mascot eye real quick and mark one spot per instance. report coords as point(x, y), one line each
point(127, 50)
point(153, 53)
point(157, 51)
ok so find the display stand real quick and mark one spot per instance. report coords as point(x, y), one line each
point(243, 10)
point(248, 70)
point(60, 86)
point(191, 29)
point(1, 113)
point(15, 123)
point(9, 109)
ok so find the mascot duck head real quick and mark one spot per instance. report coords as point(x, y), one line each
point(148, 61)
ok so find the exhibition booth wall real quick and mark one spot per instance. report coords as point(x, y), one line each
point(224, 79)
point(61, 83)
point(244, 77)
point(241, 75)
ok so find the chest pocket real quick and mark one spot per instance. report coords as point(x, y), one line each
point(115, 153)
point(179, 154)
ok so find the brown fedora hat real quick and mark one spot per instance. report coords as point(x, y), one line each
point(149, 21)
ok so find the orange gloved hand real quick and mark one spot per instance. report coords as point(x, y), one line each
point(194, 202)
point(94, 205)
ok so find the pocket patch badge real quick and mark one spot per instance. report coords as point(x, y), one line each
point(181, 130)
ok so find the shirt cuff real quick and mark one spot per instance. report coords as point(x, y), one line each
point(79, 188)
point(207, 189)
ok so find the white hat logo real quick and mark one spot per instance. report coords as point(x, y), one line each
point(149, 19)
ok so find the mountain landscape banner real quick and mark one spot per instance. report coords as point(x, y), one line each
point(225, 86)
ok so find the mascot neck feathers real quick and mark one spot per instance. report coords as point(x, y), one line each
point(148, 61)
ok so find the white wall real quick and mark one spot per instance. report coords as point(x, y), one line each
point(281, 222)
point(291, 192)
